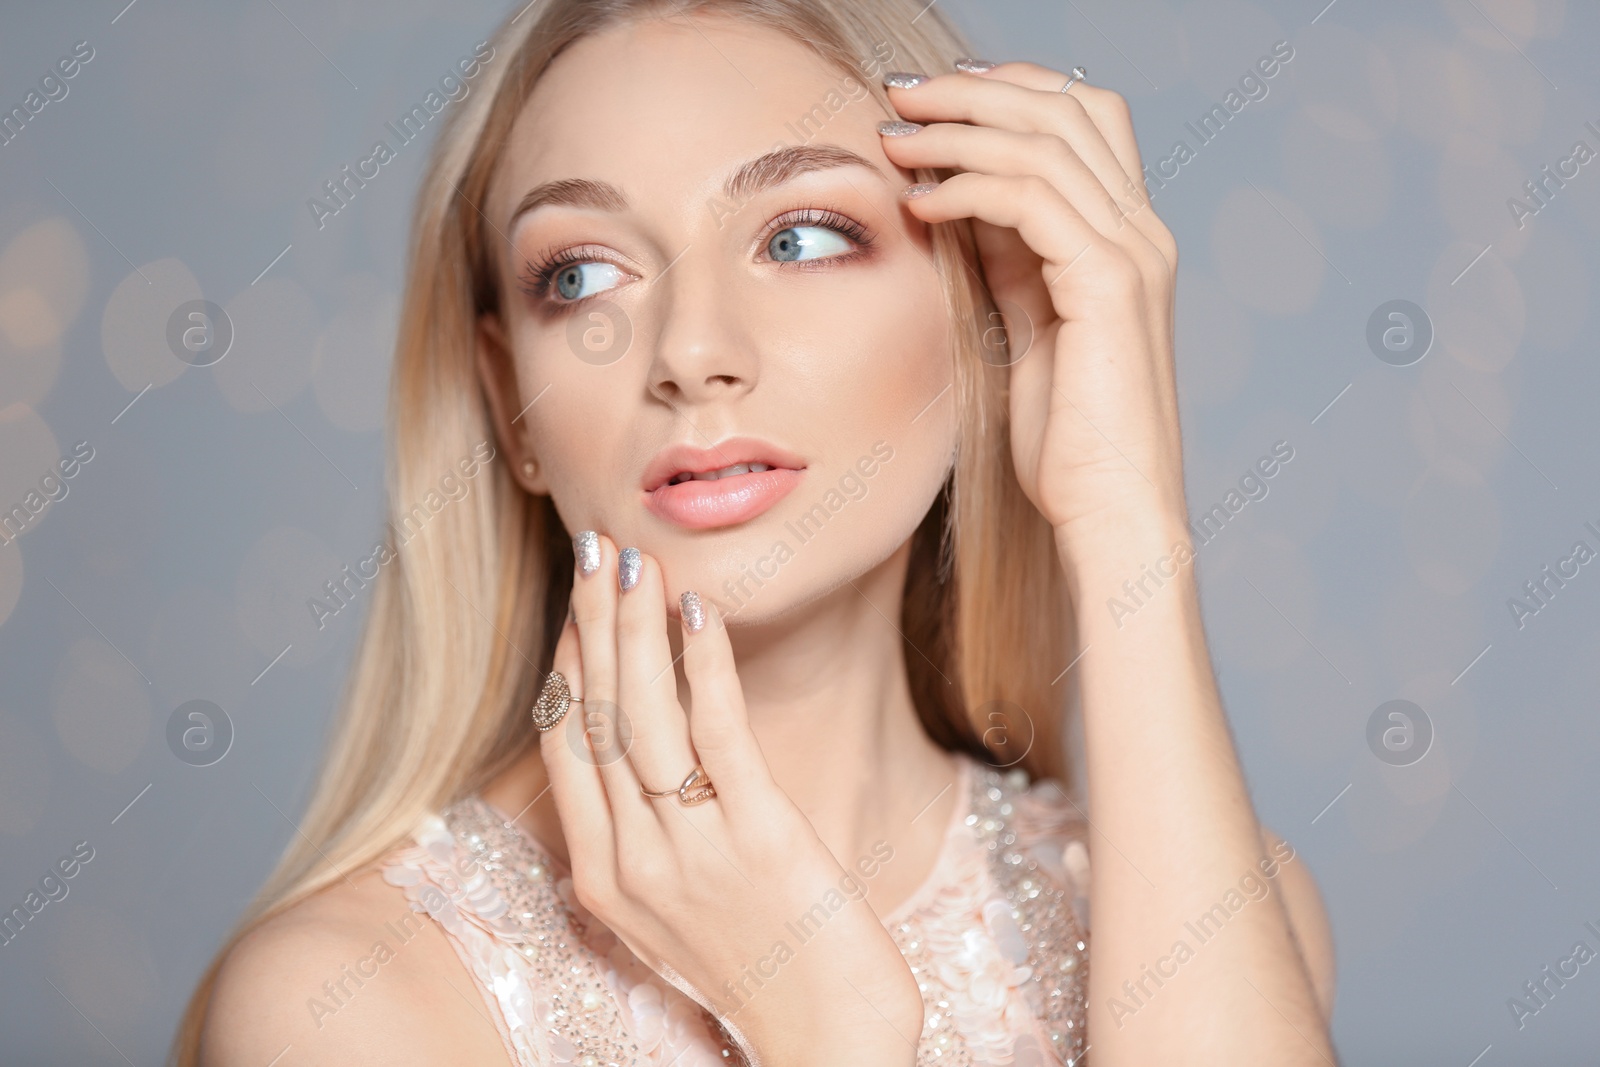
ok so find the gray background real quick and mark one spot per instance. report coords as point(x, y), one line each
point(1379, 567)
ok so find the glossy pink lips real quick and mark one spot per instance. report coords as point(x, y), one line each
point(705, 504)
point(724, 502)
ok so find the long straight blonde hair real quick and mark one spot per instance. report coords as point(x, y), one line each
point(450, 656)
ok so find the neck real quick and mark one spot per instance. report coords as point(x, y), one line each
point(829, 700)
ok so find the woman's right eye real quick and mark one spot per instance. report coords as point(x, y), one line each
point(575, 281)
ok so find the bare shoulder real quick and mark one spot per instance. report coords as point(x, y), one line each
point(1308, 916)
point(349, 975)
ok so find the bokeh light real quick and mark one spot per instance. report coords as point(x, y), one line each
point(1268, 251)
point(101, 706)
point(133, 328)
point(274, 330)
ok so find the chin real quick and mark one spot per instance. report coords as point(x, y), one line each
point(779, 568)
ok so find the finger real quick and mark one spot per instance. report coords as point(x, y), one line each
point(580, 797)
point(647, 682)
point(594, 607)
point(1107, 278)
point(992, 150)
point(1113, 122)
point(997, 98)
point(1050, 225)
point(1108, 110)
point(718, 723)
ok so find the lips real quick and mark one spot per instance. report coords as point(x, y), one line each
point(729, 483)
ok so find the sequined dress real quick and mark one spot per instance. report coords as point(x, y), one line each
point(996, 936)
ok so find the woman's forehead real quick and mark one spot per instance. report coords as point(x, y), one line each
point(667, 99)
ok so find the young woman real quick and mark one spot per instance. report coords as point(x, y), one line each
point(825, 382)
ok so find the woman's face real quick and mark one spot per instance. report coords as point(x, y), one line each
point(721, 274)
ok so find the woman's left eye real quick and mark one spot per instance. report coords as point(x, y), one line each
point(796, 243)
point(574, 281)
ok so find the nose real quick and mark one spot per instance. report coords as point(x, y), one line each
point(702, 353)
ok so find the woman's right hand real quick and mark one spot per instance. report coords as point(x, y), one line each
point(736, 900)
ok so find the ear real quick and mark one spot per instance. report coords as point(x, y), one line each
point(497, 372)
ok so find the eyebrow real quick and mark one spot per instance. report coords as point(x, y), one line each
point(754, 176)
point(784, 164)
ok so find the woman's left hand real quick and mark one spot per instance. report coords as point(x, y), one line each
point(1077, 260)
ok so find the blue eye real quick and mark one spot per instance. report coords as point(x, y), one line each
point(806, 242)
point(578, 280)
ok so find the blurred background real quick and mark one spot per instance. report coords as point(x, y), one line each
point(1389, 248)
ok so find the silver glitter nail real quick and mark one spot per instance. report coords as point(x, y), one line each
point(974, 66)
point(586, 547)
point(628, 564)
point(898, 129)
point(694, 613)
point(901, 79)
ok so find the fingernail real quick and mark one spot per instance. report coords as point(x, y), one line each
point(694, 613)
point(901, 79)
point(911, 192)
point(975, 66)
point(628, 564)
point(898, 129)
point(586, 548)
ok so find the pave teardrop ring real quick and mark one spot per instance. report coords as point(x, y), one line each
point(554, 700)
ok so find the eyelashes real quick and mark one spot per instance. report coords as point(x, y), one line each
point(819, 216)
point(537, 278)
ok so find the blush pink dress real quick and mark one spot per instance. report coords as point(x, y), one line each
point(996, 936)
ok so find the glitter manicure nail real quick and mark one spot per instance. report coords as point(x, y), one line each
point(694, 614)
point(974, 66)
point(586, 547)
point(628, 564)
point(901, 79)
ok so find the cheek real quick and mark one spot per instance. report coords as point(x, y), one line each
point(577, 426)
point(865, 361)
point(881, 353)
point(897, 388)
point(869, 376)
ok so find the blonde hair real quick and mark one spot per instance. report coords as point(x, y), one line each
point(450, 658)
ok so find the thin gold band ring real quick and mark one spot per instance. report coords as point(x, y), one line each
point(696, 787)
